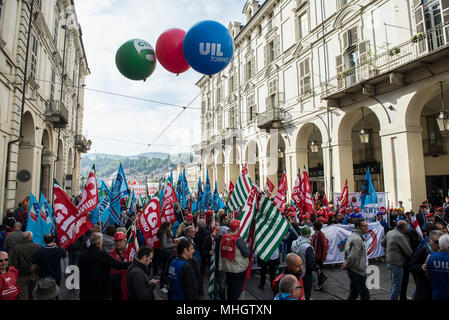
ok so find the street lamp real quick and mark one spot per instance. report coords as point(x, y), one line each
point(443, 118)
point(363, 134)
point(314, 146)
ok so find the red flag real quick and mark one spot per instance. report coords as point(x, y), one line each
point(231, 188)
point(343, 202)
point(150, 222)
point(297, 193)
point(70, 225)
point(269, 187)
point(168, 210)
point(306, 190)
point(89, 197)
point(279, 199)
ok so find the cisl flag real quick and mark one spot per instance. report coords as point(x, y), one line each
point(70, 225)
point(89, 198)
point(150, 223)
point(168, 211)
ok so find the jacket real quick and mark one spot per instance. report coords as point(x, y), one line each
point(304, 249)
point(182, 280)
point(138, 282)
point(24, 254)
point(396, 248)
point(355, 253)
point(319, 243)
point(423, 283)
point(108, 243)
point(13, 239)
point(166, 243)
point(95, 279)
point(240, 261)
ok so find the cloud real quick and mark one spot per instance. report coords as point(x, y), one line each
point(106, 24)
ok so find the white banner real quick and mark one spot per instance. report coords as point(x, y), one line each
point(337, 235)
point(370, 210)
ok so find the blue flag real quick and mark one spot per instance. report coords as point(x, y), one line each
point(47, 212)
point(185, 192)
point(104, 205)
point(178, 187)
point(119, 191)
point(197, 204)
point(217, 203)
point(132, 207)
point(170, 178)
point(33, 222)
point(206, 202)
point(368, 194)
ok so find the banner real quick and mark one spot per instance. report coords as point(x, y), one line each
point(370, 210)
point(167, 209)
point(338, 234)
point(149, 223)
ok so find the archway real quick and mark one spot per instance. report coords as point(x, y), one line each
point(46, 164)
point(252, 160)
point(25, 164)
point(275, 158)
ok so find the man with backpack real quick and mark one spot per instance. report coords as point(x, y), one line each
point(321, 246)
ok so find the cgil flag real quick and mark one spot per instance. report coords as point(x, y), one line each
point(167, 209)
point(297, 196)
point(279, 198)
point(269, 187)
point(241, 190)
point(271, 227)
point(306, 193)
point(368, 194)
point(343, 201)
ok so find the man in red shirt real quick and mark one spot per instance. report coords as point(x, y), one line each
point(118, 277)
point(9, 289)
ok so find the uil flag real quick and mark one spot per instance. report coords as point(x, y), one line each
point(171, 177)
point(119, 191)
point(206, 202)
point(343, 202)
point(196, 206)
point(368, 194)
point(297, 193)
point(306, 189)
point(241, 190)
point(47, 215)
point(185, 192)
point(89, 197)
point(70, 225)
point(217, 203)
point(104, 206)
point(150, 222)
point(167, 209)
point(34, 221)
point(269, 187)
point(279, 198)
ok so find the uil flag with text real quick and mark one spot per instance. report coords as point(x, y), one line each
point(368, 194)
point(206, 202)
point(119, 191)
point(34, 221)
point(48, 215)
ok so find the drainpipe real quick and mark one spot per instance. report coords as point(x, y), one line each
point(20, 137)
point(76, 119)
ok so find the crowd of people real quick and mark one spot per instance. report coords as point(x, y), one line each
point(177, 268)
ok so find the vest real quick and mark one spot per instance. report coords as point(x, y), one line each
point(228, 246)
point(175, 279)
point(9, 289)
point(438, 267)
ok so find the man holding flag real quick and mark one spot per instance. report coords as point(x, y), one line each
point(234, 260)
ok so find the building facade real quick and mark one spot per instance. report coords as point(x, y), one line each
point(43, 68)
point(335, 86)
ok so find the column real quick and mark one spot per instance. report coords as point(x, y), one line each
point(343, 165)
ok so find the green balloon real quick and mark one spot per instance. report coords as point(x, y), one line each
point(135, 59)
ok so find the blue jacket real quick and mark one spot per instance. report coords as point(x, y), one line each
point(178, 272)
point(284, 296)
point(438, 268)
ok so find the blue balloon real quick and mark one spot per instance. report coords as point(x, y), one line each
point(208, 47)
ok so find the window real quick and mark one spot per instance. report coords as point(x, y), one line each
point(251, 108)
point(1, 8)
point(249, 69)
point(231, 84)
point(33, 67)
point(203, 106)
point(52, 85)
point(270, 22)
point(303, 25)
point(272, 92)
point(305, 76)
point(219, 93)
point(55, 33)
point(232, 120)
point(350, 38)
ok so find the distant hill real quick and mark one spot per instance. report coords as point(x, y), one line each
point(149, 164)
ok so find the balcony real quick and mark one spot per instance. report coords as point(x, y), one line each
point(57, 114)
point(421, 49)
point(271, 118)
point(82, 144)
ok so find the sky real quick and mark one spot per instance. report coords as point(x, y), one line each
point(107, 24)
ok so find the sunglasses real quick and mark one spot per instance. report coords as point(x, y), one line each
point(4, 260)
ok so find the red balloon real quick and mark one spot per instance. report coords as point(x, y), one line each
point(169, 51)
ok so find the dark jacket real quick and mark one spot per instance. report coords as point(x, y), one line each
point(275, 287)
point(139, 287)
point(423, 284)
point(95, 280)
point(319, 244)
point(421, 219)
point(188, 281)
point(24, 256)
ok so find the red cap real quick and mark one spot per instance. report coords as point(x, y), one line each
point(430, 215)
point(292, 214)
point(234, 225)
point(439, 209)
point(322, 219)
point(356, 209)
point(291, 209)
point(119, 236)
point(332, 213)
point(189, 217)
point(305, 216)
point(209, 213)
